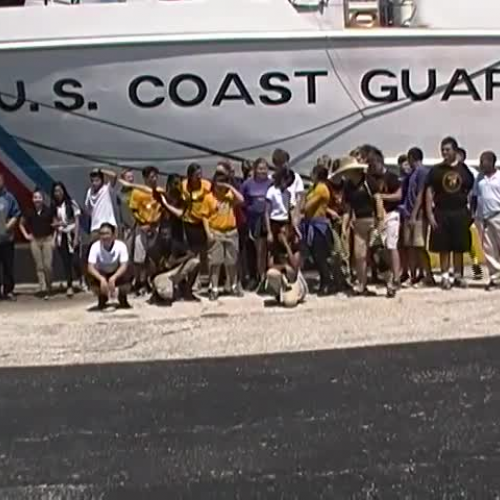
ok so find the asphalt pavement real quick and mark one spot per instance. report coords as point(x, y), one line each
point(418, 421)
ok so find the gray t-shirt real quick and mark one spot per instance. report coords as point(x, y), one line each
point(9, 209)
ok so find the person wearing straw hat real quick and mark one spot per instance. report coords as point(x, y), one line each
point(359, 216)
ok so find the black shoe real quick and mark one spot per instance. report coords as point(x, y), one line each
point(404, 277)
point(189, 296)
point(460, 283)
point(236, 291)
point(364, 293)
point(251, 286)
point(213, 295)
point(102, 303)
point(391, 292)
point(123, 302)
point(326, 291)
point(490, 286)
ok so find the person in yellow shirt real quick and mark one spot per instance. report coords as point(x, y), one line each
point(222, 233)
point(194, 191)
point(316, 230)
point(147, 213)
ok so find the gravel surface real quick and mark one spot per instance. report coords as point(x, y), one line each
point(60, 331)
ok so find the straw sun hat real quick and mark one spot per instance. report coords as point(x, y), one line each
point(348, 164)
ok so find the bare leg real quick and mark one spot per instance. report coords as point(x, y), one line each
point(424, 262)
point(413, 261)
point(458, 264)
point(232, 276)
point(261, 251)
point(395, 264)
point(361, 265)
point(404, 260)
point(214, 272)
point(444, 261)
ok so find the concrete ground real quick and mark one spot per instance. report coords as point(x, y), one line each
point(62, 331)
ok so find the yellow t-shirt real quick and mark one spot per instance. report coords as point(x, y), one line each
point(145, 208)
point(317, 201)
point(194, 201)
point(220, 211)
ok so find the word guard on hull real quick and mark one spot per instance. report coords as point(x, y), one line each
point(384, 86)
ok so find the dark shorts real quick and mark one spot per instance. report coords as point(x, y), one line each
point(257, 226)
point(196, 237)
point(453, 232)
point(123, 280)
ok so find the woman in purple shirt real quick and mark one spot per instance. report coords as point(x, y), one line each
point(254, 191)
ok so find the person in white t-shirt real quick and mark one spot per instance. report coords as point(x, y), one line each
point(279, 209)
point(99, 203)
point(281, 160)
point(108, 266)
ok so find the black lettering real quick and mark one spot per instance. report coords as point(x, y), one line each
point(77, 99)
point(459, 76)
point(223, 95)
point(311, 83)
point(490, 83)
point(133, 91)
point(390, 92)
point(20, 99)
point(284, 93)
point(419, 96)
point(173, 90)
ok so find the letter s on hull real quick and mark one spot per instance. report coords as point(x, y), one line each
point(61, 91)
point(266, 84)
point(390, 92)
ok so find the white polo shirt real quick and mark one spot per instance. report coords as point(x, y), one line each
point(487, 191)
point(280, 203)
point(108, 261)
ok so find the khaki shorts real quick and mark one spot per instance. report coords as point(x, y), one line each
point(390, 230)
point(362, 231)
point(224, 249)
point(415, 236)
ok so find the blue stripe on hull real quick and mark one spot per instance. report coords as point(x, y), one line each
point(30, 167)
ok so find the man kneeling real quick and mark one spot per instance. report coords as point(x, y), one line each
point(284, 280)
point(176, 282)
point(108, 266)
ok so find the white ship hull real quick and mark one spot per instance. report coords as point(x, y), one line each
point(169, 100)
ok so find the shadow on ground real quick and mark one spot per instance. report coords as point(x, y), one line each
point(414, 422)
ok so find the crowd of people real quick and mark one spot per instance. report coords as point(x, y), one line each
point(356, 222)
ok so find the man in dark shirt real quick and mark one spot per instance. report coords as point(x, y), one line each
point(177, 266)
point(447, 191)
point(385, 187)
point(360, 206)
point(37, 228)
